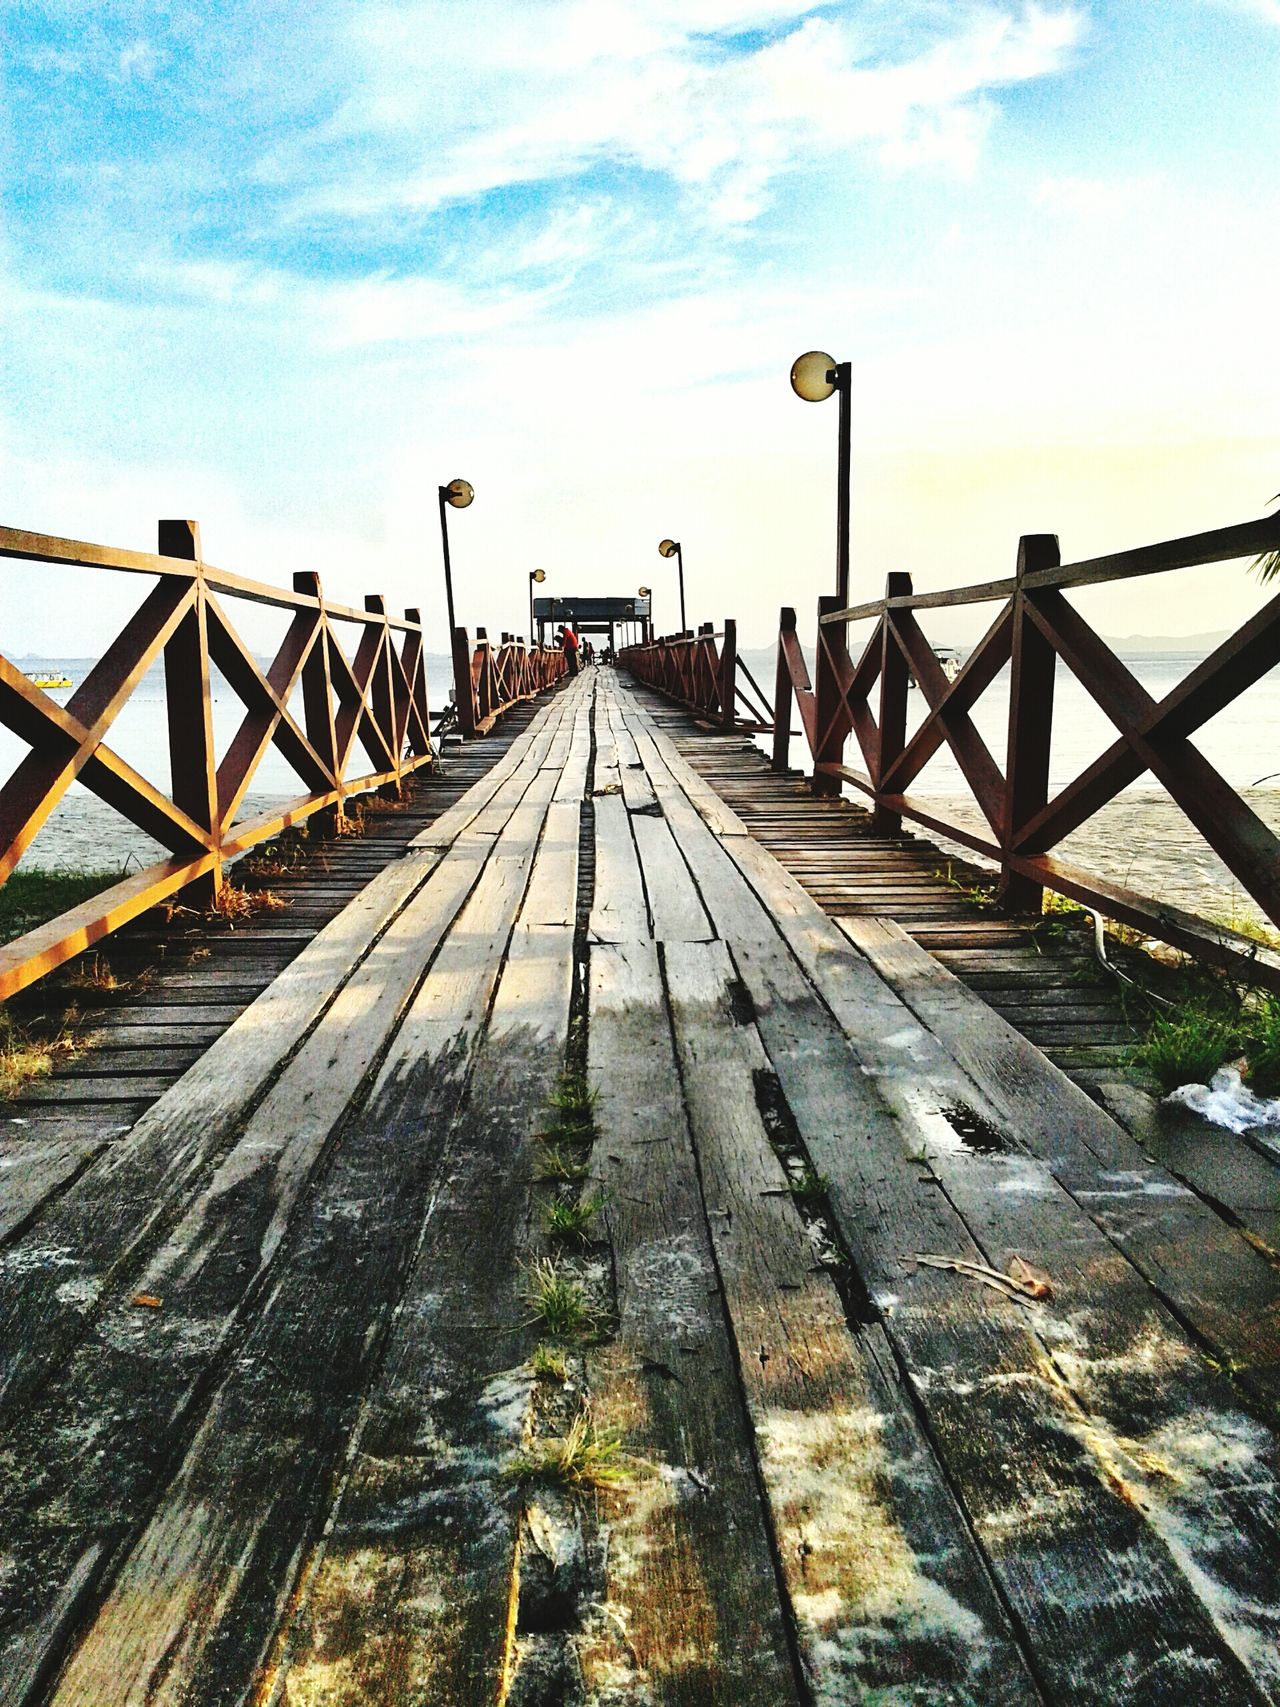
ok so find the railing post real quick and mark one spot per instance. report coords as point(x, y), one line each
point(382, 694)
point(828, 698)
point(193, 764)
point(895, 684)
point(317, 701)
point(729, 676)
point(413, 665)
point(782, 695)
point(484, 687)
point(1031, 683)
point(463, 687)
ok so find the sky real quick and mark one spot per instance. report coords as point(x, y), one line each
point(286, 268)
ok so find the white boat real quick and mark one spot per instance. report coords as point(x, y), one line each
point(949, 660)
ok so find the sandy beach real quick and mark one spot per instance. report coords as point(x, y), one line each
point(1143, 841)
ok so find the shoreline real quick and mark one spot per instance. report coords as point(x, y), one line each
point(1141, 840)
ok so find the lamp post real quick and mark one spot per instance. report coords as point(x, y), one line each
point(457, 494)
point(644, 593)
point(814, 376)
point(538, 575)
point(671, 548)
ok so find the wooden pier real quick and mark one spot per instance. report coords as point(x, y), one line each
point(839, 1347)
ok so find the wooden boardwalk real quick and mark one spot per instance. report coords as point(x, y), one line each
point(154, 997)
point(910, 1376)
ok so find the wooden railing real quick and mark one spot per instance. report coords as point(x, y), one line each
point(1036, 626)
point(709, 680)
point(364, 724)
point(490, 679)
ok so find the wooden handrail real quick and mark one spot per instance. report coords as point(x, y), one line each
point(1036, 629)
point(711, 681)
point(488, 680)
point(78, 553)
point(363, 724)
point(1220, 545)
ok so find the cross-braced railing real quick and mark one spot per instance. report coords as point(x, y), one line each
point(1036, 627)
point(490, 679)
point(364, 725)
point(707, 678)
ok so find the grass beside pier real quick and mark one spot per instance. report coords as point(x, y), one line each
point(26, 1055)
point(33, 897)
point(1189, 1044)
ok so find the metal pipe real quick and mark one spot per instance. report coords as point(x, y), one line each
point(448, 573)
point(843, 387)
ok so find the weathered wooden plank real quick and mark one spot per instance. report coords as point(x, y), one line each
point(523, 756)
point(185, 1611)
point(1239, 1183)
point(690, 1573)
point(572, 783)
point(40, 1155)
point(169, 1057)
point(114, 1042)
point(553, 885)
point(721, 818)
point(637, 790)
point(1037, 1492)
point(618, 912)
point(174, 1013)
point(887, 1590)
point(117, 1205)
point(65, 1091)
point(677, 912)
point(424, 1502)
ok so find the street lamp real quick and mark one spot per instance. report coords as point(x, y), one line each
point(814, 376)
point(671, 548)
point(538, 575)
point(458, 494)
point(644, 594)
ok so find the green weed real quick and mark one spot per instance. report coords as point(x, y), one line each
point(560, 1303)
point(24, 1057)
point(574, 1104)
point(571, 1220)
point(585, 1457)
point(549, 1364)
point(807, 1184)
point(560, 1162)
point(1188, 1046)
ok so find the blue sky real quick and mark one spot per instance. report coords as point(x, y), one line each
point(287, 267)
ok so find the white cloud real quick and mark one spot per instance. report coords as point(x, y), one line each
point(447, 105)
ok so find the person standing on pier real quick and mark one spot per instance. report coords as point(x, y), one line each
point(569, 646)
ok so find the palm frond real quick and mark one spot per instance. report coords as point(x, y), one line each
point(1266, 565)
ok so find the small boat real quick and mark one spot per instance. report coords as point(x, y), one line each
point(949, 660)
point(48, 679)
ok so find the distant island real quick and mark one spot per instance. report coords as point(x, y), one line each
point(1167, 642)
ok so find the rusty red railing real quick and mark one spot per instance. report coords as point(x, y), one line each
point(489, 679)
point(1035, 628)
point(707, 678)
point(363, 723)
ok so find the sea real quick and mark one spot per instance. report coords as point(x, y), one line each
point(84, 834)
